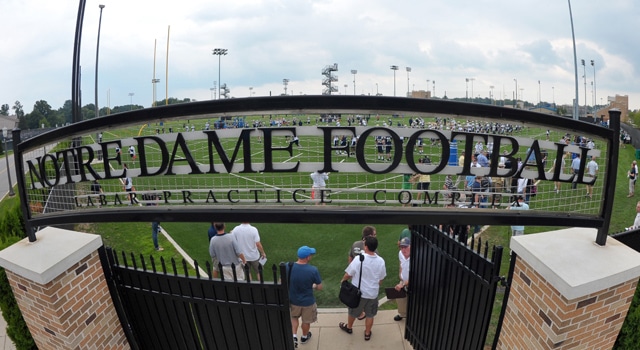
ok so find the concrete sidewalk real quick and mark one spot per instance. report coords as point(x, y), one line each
point(385, 334)
point(5, 342)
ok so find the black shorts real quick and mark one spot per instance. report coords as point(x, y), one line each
point(423, 185)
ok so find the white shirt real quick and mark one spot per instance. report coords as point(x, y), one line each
point(592, 167)
point(319, 179)
point(404, 266)
point(247, 236)
point(373, 271)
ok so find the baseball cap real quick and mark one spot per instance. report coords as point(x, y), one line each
point(405, 242)
point(304, 251)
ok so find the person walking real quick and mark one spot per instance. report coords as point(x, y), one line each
point(632, 174)
point(319, 183)
point(575, 168)
point(519, 204)
point(404, 258)
point(373, 273)
point(224, 251)
point(592, 170)
point(248, 239)
point(303, 278)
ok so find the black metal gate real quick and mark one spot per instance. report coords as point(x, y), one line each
point(161, 310)
point(453, 289)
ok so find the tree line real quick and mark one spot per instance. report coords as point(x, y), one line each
point(43, 115)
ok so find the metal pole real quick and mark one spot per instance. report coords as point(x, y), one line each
point(610, 181)
point(575, 64)
point(354, 72)
point(97, 51)
point(6, 157)
point(584, 75)
point(595, 95)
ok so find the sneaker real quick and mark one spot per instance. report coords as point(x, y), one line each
point(295, 341)
point(303, 340)
point(159, 249)
point(397, 318)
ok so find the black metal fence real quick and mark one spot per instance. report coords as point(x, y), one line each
point(172, 310)
point(453, 288)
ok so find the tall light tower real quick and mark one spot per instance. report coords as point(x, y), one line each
point(595, 95)
point(471, 80)
point(250, 91)
point(219, 53)
point(131, 100)
point(515, 100)
point(575, 64)
point(434, 88)
point(394, 69)
point(408, 91)
point(97, 51)
point(285, 82)
point(466, 91)
point(584, 75)
point(354, 72)
point(491, 94)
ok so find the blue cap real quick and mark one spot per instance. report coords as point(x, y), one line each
point(304, 252)
point(405, 242)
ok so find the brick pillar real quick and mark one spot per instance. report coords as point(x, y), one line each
point(61, 291)
point(568, 292)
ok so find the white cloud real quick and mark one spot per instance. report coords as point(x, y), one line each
point(493, 42)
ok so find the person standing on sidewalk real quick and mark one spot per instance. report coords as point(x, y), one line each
point(404, 257)
point(303, 279)
point(224, 251)
point(373, 273)
point(248, 239)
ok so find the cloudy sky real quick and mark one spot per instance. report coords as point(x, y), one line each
point(492, 42)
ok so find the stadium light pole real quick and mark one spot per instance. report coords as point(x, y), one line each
point(5, 132)
point(584, 75)
point(408, 71)
point(575, 64)
point(471, 80)
point(97, 51)
point(466, 91)
point(354, 72)
point(394, 69)
point(219, 52)
point(285, 82)
point(515, 101)
point(595, 95)
point(131, 100)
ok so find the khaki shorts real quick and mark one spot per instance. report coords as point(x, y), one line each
point(309, 314)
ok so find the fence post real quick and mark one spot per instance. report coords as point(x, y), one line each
point(568, 292)
point(61, 290)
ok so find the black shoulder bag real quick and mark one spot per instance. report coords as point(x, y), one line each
point(349, 294)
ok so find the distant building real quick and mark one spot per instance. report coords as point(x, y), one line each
point(420, 94)
point(619, 102)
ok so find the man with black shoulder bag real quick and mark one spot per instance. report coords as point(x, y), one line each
point(369, 275)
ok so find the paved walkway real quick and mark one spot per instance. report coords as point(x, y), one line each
point(5, 342)
point(385, 334)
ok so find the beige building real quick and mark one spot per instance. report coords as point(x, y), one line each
point(618, 102)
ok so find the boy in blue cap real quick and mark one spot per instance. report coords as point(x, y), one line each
point(303, 279)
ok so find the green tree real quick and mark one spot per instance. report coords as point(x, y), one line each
point(18, 109)
point(4, 110)
point(65, 111)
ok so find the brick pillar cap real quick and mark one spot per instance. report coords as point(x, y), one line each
point(574, 264)
point(54, 252)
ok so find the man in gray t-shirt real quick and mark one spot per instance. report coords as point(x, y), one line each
point(224, 251)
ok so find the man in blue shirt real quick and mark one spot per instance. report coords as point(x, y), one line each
point(519, 204)
point(303, 279)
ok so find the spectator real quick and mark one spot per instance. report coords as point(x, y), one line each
point(592, 170)
point(373, 273)
point(224, 251)
point(303, 278)
point(636, 222)
point(575, 168)
point(248, 239)
point(632, 174)
point(519, 204)
point(404, 257)
point(319, 183)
